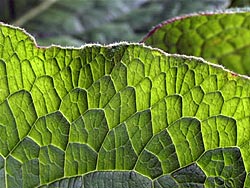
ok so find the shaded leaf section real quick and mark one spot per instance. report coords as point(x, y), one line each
point(240, 3)
point(223, 168)
point(105, 179)
point(220, 38)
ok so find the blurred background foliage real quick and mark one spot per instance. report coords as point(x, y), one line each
point(75, 22)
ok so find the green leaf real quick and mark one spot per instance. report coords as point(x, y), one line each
point(220, 38)
point(123, 115)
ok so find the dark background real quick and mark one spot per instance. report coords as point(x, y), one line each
point(76, 22)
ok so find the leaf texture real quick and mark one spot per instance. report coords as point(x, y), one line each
point(123, 115)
